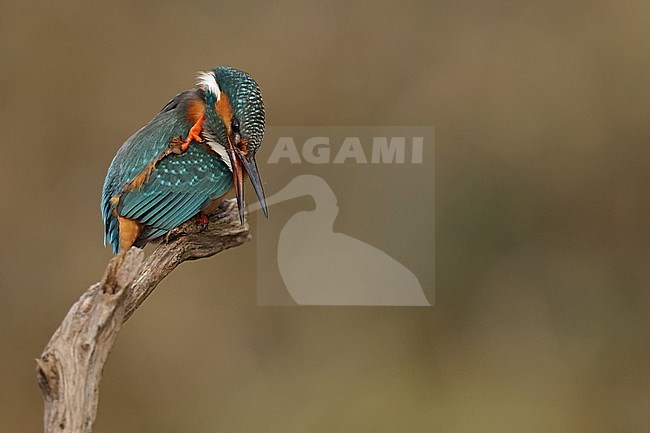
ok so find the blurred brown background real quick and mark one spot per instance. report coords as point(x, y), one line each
point(541, 116)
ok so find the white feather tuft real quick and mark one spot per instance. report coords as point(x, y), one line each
point(217, 148)
point(208, 81)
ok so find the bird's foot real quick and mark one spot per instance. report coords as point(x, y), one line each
point(173, 234)
point(203, 221)
point(194, 134)
point(190, 227)
point(178, 145)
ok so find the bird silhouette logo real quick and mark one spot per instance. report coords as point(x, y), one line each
point(321, 267)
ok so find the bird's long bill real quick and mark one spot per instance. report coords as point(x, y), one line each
point(241, 162)
point(251, 168)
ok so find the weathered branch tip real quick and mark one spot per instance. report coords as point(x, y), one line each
point(70, 368)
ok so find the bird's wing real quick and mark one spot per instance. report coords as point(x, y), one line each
point(177, 189)
point(159, 189)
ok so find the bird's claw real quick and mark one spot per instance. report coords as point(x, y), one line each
point(170, 236)
point(194, 134)
point(177, 145)
point(193, 226)
point(203, 220)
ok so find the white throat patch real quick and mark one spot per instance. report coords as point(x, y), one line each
point(217, 148)
point(208, 81)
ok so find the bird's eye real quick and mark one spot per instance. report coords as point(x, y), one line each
point(234, 124)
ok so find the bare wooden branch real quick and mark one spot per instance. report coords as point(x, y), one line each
point(70, 368)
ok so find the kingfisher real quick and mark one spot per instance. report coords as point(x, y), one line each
point(185, 160)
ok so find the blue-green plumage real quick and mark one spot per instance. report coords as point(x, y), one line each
point(179, 187)
point(160, 189)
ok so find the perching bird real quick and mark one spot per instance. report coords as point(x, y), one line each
point(185, 160)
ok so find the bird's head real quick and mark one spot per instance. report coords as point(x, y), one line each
point(234, 115)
